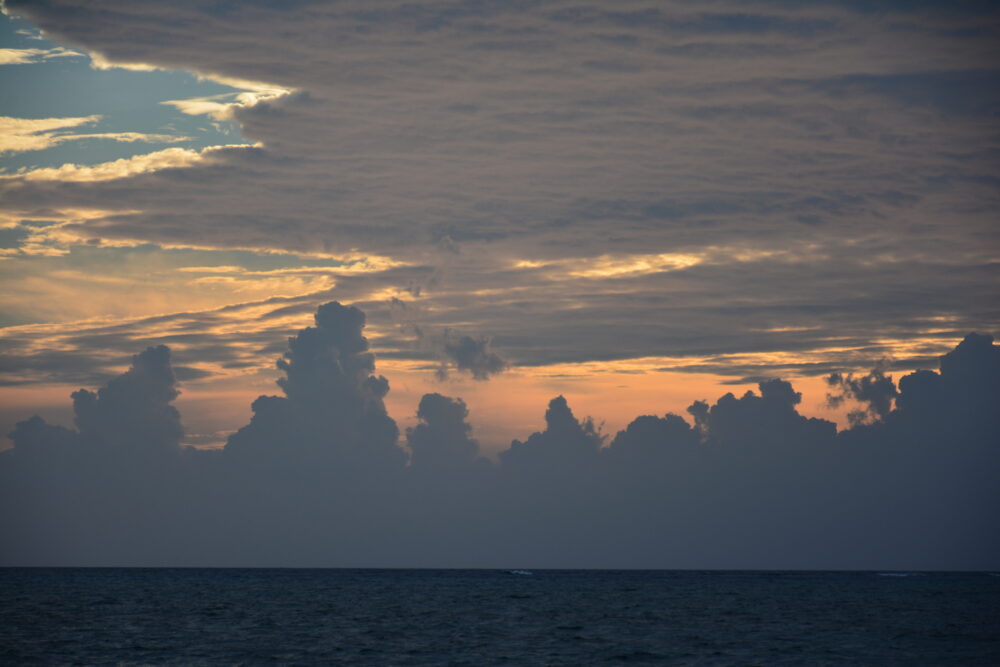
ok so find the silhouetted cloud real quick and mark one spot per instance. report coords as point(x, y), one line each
point(564, 442)
point(442, 439)
point(876, 390)
point(333, 406)
point(767, 420)
point(318, 476)
point(133, 410)
point(34, 437)
point(650, 438)
point(471, 355)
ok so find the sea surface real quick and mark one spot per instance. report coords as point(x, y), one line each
point(476, 617)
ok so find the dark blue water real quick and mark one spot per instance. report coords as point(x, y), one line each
point(473, 617)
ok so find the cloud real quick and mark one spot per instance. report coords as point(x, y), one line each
point(131, 413)
point(696, 170)
point(168, 158)
point(654, 438)
point(456, 352)
point(442, 438)
point(228, 340)
point(471, 355)
point(28, 134)
point(29, 56)
point(31, 134)
point(134, 409)
point(565, 442)
point(318, 477)
point(333, 407)
point(766, 420)
point(224, 106)
point(875, 390)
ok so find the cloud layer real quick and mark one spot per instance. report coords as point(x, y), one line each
point(755, 188)
point(319, 477)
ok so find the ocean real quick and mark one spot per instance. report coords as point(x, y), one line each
point(477, 617)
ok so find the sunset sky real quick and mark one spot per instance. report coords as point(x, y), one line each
point(632, 204)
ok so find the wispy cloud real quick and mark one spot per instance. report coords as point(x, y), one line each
point(24, 134)
point(224, 106)
point(29, 56)
point(122, 168)
point(18, 135)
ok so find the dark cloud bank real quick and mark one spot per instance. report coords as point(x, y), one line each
point(318, 478)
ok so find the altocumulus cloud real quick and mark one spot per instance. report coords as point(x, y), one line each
point(321, 476)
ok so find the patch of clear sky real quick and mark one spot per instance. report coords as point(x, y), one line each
point(127, 101)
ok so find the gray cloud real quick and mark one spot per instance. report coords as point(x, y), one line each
point(564, 442)
point(132, 413)
point(470, 354)
point(691, 315)
point(875, 390)
point(735, 131)
point(332, 409)
point(134, 409)
point(317, 477)
point(443, 436)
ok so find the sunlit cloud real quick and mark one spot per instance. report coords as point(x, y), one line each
point(273, 285)
point(612, 266)
point(350, 264)
point(223, 107)
point(259, 88)
point(98, 61)
point(30, 134)
point(30, 56)
point(25, 134)
point(53, 238)
point(122, 168)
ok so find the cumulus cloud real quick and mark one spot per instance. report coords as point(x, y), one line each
point(470, 355)
point(133, 410)
point(456, 352)
point(443, 436)
point(875, 391)
point(318, 477)
point(648, 437)
point(132, 415)
point(333, 406)
point(768, 420)
point(565, 442)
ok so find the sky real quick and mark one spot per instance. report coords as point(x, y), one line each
point(637, 206)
